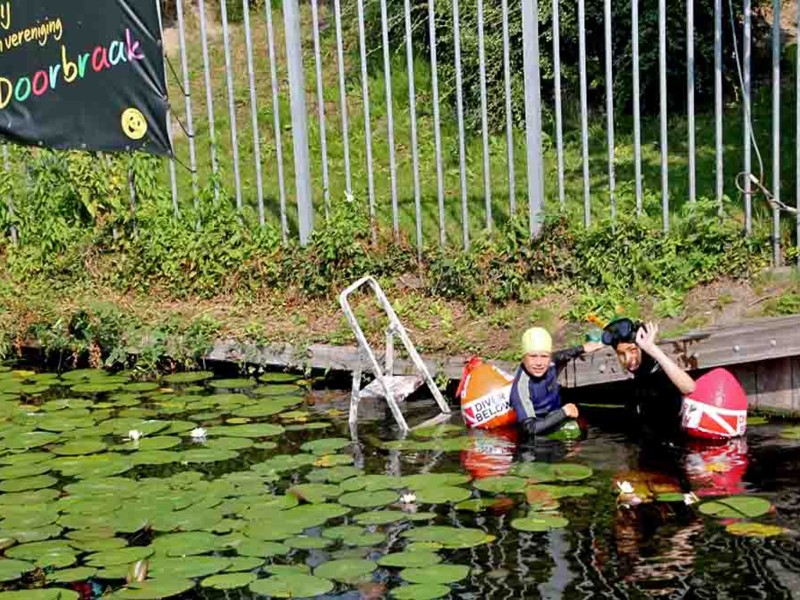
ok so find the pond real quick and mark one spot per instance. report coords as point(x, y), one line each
point(196, 486)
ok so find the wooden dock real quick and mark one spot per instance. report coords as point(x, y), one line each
point(764, 354)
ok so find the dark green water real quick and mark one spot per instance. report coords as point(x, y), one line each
point(76, 494)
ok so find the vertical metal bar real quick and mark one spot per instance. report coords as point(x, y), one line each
point(509, 116)
point(462, 153)
point(276, 121)
point(587, 201)
point(254, 111)
point(637, 116)
point(487, 176)
point(209, 97)
point(337, 9)
point(231, 103)
point(533, 113)
point(437, 128)
point(323, 140)
point(748, 212)
point(718, 97)
point(559, 117)
point(188, 100)
point(412, 104)
point(9, 200)
point(387, 76)
point(690, 99)
point(297, 101)
point(776, 130)
point(610, 110)
point(172, 175)
point(662, 69)
point(362, 44)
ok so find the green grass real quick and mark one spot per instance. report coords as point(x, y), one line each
point(624, 164)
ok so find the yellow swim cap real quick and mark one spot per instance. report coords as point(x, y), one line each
point(536, 340)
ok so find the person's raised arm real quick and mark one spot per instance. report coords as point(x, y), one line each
point(646, 340)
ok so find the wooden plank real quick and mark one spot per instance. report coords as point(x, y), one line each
point(774, 384)
point(796, 384)
point(746, 374)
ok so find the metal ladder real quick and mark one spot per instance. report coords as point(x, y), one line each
point(387, 382)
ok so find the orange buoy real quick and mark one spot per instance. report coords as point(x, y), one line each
point(490, 453)
point(717, 409)
point(485, 396)
point(717, 469)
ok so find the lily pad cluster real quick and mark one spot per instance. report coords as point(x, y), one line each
point(737, 513)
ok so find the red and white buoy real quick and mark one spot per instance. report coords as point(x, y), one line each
point(717, 409)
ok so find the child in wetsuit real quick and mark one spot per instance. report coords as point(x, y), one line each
point(535, 393)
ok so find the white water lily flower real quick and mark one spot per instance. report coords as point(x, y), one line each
point(625, 487)
point(199, 434)
point(134, 435)
point(408, 498)
point(690, 498)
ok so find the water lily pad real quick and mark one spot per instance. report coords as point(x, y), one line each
point(156, 457)
point(755, 420)
point(141, 386)
point(79, 447)
point(279, 378)
point(736, 507)
point(368, 499)
point(315, 492)
point(326, 446)
point(251, 430)
point(231, 443)
point(188, 377)
point(333, 475)
point(346, 570)
point(791, 433)
point(278, 389)
point(186, 543)
point(436, 574)
point(292, 585)
point(232, 384)
point(163, 587)
point(449, 537)
point(158, 442)
point(24, 470)
point(72, 575)
point(96, 388)
point(571, 472)
point(507, 484)
point(564, 491)
point(307, 542)
point(670, 497)
point(261, 549)
point(757, 530)
point(423, 591)
point(188, 567)
point(420, 516)
point(40, 594)
point(333, 460)
point(27, 483)
point(475, 504)
point(29, 439)
point(372, 483)
point(244, 563)
point(228, 581)
point(535, 522)
point(11, 569)
point(442, 495)
point(283, 462)
point(308, 426)
point(403, 560)
point(380, 517)
point(208, 455)
point(123, 556)
point(432, 480)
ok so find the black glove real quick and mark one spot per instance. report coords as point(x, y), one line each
point(529, 427)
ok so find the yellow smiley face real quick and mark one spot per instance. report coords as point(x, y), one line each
point(134, 125)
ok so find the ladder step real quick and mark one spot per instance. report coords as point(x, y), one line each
point(401, 386)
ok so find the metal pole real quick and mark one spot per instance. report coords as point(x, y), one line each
point(412, 105)
point(690, 66)
point(509, 116)
point(254, 111)
point(387, 76)
point(437, 130)
point(662, 64)
point(212, 141)
point(297, 100)
point(718, 97)
point(587, 200)
point(610, 110)
point(276, 121)
point(337, 9)
point(776, 131)
point(559, 116)
point(362, 43)
point(10, 200)
point(188, 100)
point(172, 175)
point(323, 141)
point(487, 175)
point(231, 103)
point(462, 153)
point(748, 213)
point(637, 119)
point(533, 113)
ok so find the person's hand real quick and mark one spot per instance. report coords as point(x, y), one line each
point(646, 337)
point(529, 426)
point(590, 347)
point(571, 411)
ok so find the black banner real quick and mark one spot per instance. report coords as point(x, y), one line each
point(83, 74)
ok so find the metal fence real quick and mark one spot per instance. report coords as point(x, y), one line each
point(441, 202)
